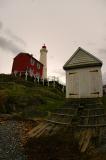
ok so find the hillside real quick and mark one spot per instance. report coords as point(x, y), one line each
point(28, 99)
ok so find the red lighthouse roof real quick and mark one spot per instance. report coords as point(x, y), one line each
point(44, 46)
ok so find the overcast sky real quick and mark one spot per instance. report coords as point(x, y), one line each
point(63, 25)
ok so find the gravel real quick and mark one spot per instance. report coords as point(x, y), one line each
point(11, 133)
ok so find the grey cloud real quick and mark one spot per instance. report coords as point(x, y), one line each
point(12, 35)
point(1, 25)
point(32, 0)
point(60, 75)
point(9, 45)
point(104, 1)
point(60, 72)
point(3, 3)
point(102, 50)
point(15, 37)
point(104, 39)
point(51, 57)
point(91, 43)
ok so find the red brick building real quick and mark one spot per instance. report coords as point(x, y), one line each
point(25, 63)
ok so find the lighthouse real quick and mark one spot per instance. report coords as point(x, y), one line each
point(43, 60)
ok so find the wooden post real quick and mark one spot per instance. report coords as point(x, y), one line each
point(20, 74)
point(87, 119)
point(54, 82)
point(100, 135)
point(49, 114)
point(48, 82)
point(34, 79)
point(63, 89)
point(101, 121)
point(15, 73)
point(38, 79)
point(43, 81)
point(26, 75)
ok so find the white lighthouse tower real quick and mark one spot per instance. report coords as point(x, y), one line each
point(43, 60)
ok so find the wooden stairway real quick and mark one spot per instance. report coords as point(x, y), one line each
point(87, 123)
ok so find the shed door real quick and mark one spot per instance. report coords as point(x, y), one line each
point(74, 84)
point(94, 83)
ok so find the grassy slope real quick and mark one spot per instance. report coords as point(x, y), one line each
point(27, 99)
point(30, 101)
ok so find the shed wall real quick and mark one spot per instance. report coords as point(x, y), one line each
point(84, 83)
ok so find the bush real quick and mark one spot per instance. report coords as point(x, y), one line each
point(3, 99)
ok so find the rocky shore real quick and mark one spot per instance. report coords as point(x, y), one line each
point(12, 138)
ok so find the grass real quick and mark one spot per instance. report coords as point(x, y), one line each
point(29, 100)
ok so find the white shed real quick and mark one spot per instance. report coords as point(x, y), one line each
point(83, 75)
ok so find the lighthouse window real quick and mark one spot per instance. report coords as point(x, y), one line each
point(32, 61)
point(38, 66)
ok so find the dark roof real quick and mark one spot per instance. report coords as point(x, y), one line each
point(30, 55)
point(44, 46)
point(81, 58)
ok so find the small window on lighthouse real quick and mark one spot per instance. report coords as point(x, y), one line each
point(32, 62)
point(38, 66)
